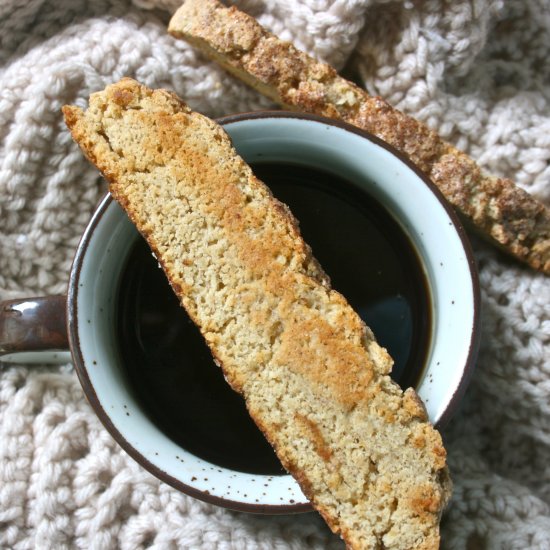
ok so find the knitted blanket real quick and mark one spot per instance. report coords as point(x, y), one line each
point(478, 71)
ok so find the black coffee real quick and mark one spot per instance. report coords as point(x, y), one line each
point(369, 260)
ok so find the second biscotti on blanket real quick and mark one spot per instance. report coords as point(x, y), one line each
point(314, 379)
point(496, 207)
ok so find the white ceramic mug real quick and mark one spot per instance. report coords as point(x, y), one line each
point(85, 318)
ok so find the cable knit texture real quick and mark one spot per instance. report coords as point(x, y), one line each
point(478, 71)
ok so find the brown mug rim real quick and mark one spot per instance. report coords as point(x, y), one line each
point(89, 390)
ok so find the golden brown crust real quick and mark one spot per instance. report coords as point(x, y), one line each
point(313, 377)
point(498, 209)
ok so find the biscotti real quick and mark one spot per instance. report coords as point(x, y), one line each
point(313, 377)
point(496, 207)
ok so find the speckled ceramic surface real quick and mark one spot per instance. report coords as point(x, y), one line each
point(276, 137)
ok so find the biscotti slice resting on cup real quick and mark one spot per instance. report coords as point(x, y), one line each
point(496, 207)
point(312, 375)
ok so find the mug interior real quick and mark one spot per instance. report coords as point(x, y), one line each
point(276, 137)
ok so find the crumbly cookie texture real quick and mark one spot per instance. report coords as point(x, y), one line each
point(313, 377)
point(496, 207)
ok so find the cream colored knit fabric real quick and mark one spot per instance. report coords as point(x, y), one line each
point(477, 70)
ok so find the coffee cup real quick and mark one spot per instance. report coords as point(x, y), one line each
point(382, 231)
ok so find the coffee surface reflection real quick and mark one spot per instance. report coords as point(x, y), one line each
point(369, 260)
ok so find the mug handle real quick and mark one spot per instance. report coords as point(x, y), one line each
point(34, 330)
